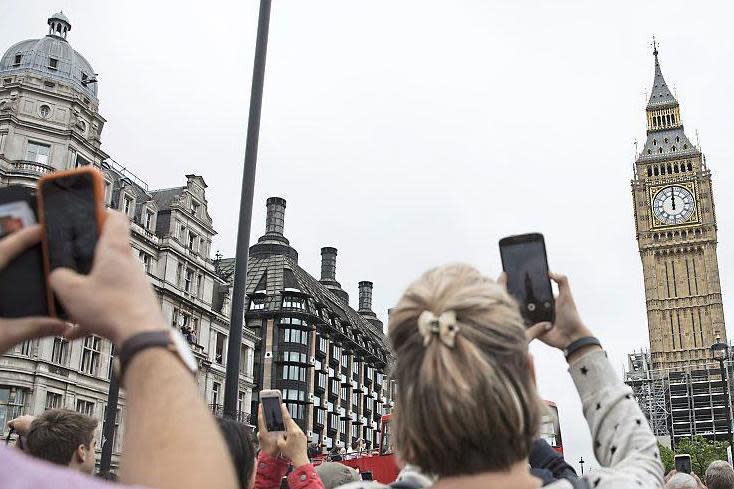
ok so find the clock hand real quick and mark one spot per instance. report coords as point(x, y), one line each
point(672, 193)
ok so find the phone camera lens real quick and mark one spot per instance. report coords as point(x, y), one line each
point(531, 307)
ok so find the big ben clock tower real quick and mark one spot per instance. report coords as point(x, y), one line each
point(676, 235)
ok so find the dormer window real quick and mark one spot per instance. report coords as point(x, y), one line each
point(292, 302)
point(149, 215)
point(654, 142)
point(195, 208)
point(127, 204)
point(53, 63)
point(18, 58)
point(257, 304)
point(84, 77)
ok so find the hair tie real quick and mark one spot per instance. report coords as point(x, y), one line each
point(443, 325)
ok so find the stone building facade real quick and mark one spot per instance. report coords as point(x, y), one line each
point(50, 120)
point(328, 359)
point(676, 233)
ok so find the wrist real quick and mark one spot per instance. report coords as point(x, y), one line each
point(582, 352)
point(125, 331)
point(300, 461)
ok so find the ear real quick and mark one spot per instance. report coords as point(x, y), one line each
point(531, 368)
point(81, 453)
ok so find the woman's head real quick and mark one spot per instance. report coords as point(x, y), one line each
point(466, 396)
point(238, 437)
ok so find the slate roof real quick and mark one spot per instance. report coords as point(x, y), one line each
point(667, 144)
point(660, 97)
point(165, 197)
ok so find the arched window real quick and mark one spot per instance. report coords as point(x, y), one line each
point(672, 117)
point(654, 142)
point(665, 140)
point(685, 146)
point(656, 171)
point(677, 139)
point(673, 148)
point(661, 150)
point(670, 169)
point(649, 171)
point(649, 151)
point(675, 168)
point(667, 118)
point(690, 167)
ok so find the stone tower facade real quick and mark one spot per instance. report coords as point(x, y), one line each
point(676, 235)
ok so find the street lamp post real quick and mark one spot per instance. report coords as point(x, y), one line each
point(720, 352)
point(581, 463)
point(232, 381)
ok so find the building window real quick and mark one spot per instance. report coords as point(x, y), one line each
point(189, 278)
point(146, 260)
point(91, 353)
point(192, 241)
point(38, 153)
point(60, 351)
point(199, 281)
point(195, 207)
point(321, 380)
point(12, 403)
point(294, 357)
point(182, 233)
point(296, 410)
point(219, 349)
point(127, 204)
point(149, 214)
point(320, 417)
point(245, 360)
point(295, 336)
point(242, 402)
point(257, 304)
point(85, 407)
point(44, 111)
point(294, 372)
point(323, 345)
point(54, 400)
point(17, 60)
point(215, 393)
point(293, 302)
point(53, 63)
point(115, 437)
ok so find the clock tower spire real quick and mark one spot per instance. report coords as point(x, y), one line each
point(676, 235)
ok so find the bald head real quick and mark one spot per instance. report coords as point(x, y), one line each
point(682, 481)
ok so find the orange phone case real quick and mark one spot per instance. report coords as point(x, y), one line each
point(98, 188)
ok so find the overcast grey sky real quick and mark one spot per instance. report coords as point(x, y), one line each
point(413, 133)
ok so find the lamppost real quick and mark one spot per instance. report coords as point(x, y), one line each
point(720, 352)
point(581, 463)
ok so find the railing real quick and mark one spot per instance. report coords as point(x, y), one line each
point(241, 416)
point(32, 167)
point(126, 173)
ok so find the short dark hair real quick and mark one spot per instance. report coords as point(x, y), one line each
point(238, 437)
point(56, 434)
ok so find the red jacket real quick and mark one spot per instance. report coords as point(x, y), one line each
point(271, 470)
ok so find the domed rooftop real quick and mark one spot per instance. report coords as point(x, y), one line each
point(53, 57)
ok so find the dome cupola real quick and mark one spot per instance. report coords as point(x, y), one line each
point(58, 25)
point(52, 57)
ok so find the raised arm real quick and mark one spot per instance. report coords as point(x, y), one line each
point(171, 440)
point(623, 442)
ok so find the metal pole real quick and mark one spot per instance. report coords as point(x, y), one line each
point(725, 385)
point(231, 386)
point(108, 429)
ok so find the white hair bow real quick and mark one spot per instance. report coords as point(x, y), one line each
point(443, 325)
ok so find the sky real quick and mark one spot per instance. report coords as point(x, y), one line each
point(414, 133)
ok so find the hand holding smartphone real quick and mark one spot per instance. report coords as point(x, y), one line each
point(271, 401)
point(683, 463)
point(525, 262)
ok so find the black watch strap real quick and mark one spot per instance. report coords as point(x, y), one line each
point(139, 342)
point(576, 345)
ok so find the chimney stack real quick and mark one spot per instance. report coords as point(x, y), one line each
point(328, 264)
point(365, 297)
point(275, 220)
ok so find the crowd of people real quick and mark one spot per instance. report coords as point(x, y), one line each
point(467, 414)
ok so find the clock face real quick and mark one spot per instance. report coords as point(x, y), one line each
point(673, 205)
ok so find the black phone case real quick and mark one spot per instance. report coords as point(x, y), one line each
point(22, 281)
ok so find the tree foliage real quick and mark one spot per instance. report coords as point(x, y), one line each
point(702, 452)
point(667, 457)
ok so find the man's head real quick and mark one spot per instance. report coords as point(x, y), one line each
point(333, 474)
point(63, 437)
point(719, 475)
point(681, 481)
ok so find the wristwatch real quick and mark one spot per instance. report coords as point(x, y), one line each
point(170, 339)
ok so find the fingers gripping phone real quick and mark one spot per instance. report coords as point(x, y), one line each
point(71, 212)
point(271, 401)
point(683, 463)
point(525, 262)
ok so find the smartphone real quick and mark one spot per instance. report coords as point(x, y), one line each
point(683, 463)
point(366, 476)
point(22, 281)
point(525, 262)
point(71, 212)
point(271, 401)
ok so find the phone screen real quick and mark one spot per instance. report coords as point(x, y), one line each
point(683, 463)
point(525, 263)
point(70, 221)
point(273, 414)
